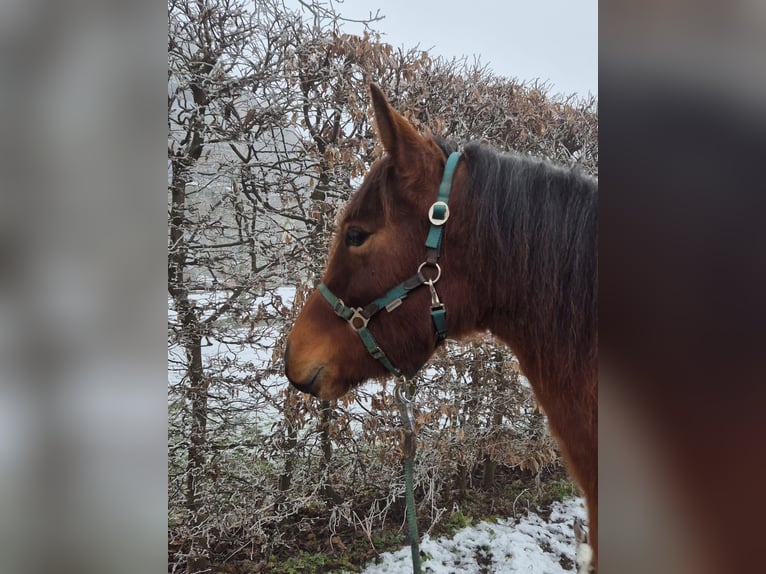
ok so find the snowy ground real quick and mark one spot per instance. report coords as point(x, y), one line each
point(505, 547)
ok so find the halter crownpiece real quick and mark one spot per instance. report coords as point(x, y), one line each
point(359, 317)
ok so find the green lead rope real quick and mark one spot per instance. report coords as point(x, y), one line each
point(412, 519)
point(409, 447)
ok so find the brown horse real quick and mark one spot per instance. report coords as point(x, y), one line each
point(518, 257)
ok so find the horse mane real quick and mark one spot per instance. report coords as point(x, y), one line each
point(535, 227)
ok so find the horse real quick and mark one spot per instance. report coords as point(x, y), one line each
point(510, 248)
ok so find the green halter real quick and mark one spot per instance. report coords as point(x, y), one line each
point(359, 317)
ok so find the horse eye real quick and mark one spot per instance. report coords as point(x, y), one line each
point(356, 237)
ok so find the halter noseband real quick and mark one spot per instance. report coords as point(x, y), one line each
point(359, 317)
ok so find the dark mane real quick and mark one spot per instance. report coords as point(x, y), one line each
point(536, 228)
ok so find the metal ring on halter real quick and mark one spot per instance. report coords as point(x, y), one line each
point(438, 270)
point(358, 315)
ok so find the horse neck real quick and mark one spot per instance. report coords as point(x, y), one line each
point(531, 259)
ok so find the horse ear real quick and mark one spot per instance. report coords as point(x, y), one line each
point(399, 137)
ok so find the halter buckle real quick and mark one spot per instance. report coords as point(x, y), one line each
point(339, 308)
point(435, 221)
point(358, 315)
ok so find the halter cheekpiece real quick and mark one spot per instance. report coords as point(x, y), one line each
point(359, 317)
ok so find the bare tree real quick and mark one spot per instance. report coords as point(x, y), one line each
point(223, 94)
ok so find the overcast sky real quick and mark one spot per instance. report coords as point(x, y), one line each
point(552, 40)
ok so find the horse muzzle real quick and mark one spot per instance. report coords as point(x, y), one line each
point(313, 378)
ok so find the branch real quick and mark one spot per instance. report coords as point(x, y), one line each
point(319, 10)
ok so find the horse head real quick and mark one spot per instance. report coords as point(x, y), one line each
point(379, 243)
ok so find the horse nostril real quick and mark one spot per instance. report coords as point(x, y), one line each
point(308, 385)
point(307, 388)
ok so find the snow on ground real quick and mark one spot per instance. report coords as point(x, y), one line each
point(505, 547)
